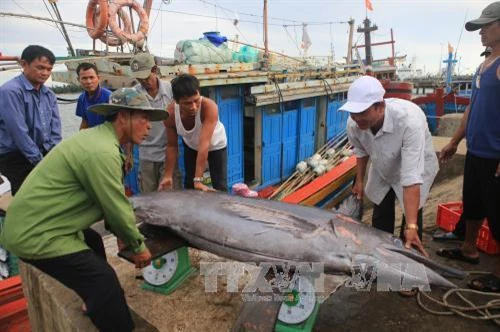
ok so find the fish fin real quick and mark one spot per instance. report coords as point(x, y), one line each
point(344, 217)
point(444, 270)
point(273, 218)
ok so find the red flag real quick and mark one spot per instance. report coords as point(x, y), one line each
point(368, 4)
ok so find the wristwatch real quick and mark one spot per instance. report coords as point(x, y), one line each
point(197, 179)
point(411, 226)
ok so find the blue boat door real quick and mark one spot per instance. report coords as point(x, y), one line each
point(230, 103)
point(307, 127)
point(288, 135)
point(336, 121)
point(271, 146)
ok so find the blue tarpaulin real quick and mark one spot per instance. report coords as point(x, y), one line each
point(215, 38)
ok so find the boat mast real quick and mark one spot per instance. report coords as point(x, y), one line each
point(368, 43)
point(266, 45)
point(71, 50)
point(349, 45)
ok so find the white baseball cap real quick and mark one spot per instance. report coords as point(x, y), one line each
point(363, 93)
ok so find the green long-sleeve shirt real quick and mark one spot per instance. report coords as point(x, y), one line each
point(77, 184)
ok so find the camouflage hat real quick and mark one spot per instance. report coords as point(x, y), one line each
point(141, 65)
point(490, 14)
point(129, 99)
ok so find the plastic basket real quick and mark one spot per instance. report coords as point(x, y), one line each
point(448, 215)
point(486, 242)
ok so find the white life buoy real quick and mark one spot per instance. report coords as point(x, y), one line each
point(134, 38)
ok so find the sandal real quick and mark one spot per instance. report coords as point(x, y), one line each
point(446, 236)
point(486, 283)
point(456, 254)
point(408, 293)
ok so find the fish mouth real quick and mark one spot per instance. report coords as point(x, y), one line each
point(444, 270)
point(393, 264)
point(397, 275)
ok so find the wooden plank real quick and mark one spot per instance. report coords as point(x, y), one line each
point(195, 69)
point(332, 186)
point(271, 88)
point(346, 192)
point(320, 182)
point(261, 100)
point(235, 80)
point(159, 241)
point(258, 316)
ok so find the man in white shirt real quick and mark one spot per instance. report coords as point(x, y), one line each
point(393, 134)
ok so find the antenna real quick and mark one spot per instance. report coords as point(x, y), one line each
point(460, 37)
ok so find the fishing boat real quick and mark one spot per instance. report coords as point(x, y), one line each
point(277, 109)
point(451, 98)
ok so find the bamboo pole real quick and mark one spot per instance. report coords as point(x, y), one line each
point(299, 179)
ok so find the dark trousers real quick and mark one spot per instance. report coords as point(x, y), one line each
point(95, 281)
point(481, 192)
point(217, 164)
point(16, 168)
point(460, 227)
point(384, 216)
point(94, 241)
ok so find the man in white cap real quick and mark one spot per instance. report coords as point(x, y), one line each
point(77, 184)
point(481, 127)
point(394, 135)
point(152, 150)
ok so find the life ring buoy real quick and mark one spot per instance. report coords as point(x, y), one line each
point(96, 25)
point(141, 33)
point(111, 39)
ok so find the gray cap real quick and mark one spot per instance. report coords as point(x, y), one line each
point(490, 14)
point(129, 99)
point(141, 65)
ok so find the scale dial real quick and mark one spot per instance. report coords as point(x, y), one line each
point(299, 304)
point(161, 269)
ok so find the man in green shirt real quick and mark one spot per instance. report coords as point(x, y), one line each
point(77, 184)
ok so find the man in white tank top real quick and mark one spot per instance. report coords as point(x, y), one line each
point(196, 120)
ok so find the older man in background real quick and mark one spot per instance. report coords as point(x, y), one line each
point(152, 150)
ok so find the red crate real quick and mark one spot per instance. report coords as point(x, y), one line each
point(485, 240)
point(448, 215)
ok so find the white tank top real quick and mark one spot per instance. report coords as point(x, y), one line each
point(192, 137)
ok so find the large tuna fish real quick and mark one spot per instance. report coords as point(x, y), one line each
point(255, 230)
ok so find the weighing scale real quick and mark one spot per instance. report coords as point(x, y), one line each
point(299, 309)
point(170, 265)
point(166, 273)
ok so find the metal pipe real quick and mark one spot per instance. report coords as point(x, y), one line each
point(9, 58)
